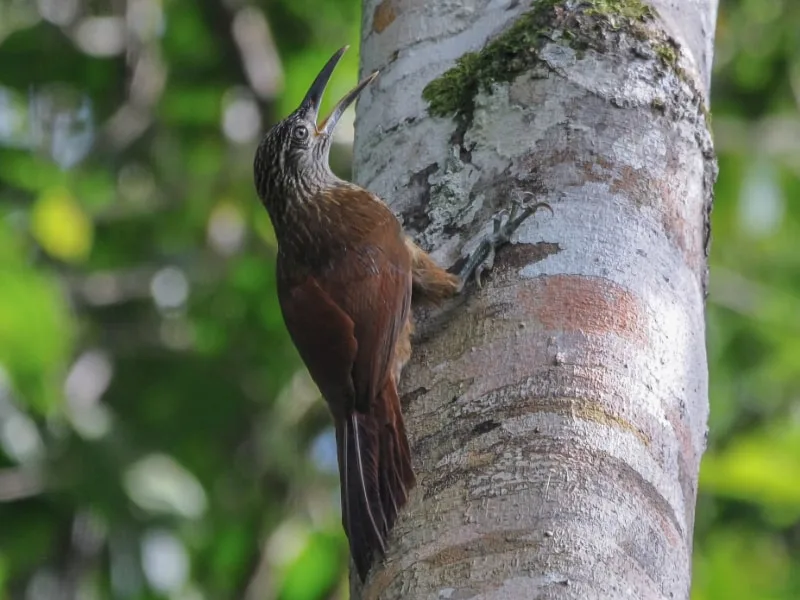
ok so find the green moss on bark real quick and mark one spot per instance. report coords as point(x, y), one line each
point(627, 9)
point(581, 25)
point(667, 53)
point(513, 52)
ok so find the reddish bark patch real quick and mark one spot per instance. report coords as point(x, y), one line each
point(635, 184)
point(593, 305)
point(384, 15)
point(645, 190)
point(517, 256)
point(687, 463)
point(684, 234)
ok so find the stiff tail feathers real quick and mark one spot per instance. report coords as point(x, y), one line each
point(376, 476)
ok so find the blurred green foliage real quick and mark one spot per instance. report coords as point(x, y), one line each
point(747, 530)
point(158, 438)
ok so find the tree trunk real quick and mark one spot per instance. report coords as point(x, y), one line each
point(558, 415)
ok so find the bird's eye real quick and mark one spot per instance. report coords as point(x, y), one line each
point(300, 133)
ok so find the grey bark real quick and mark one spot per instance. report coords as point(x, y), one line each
point(558, 415)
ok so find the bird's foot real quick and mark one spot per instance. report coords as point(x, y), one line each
point(482, 258)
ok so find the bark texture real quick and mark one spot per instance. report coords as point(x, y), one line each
point(558, 415)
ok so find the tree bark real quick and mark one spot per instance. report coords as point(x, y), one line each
point(558, 415)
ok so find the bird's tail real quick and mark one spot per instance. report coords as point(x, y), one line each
point(375, 473)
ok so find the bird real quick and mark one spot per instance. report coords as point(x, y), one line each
point(346, 275)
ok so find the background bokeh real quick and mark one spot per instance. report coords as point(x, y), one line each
point(158, 438)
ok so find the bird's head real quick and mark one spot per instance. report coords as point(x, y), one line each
point(291, 162)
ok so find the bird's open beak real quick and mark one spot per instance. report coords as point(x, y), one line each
point(313, 98)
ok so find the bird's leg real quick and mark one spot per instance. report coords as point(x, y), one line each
point(482, 257)
point(434, 284)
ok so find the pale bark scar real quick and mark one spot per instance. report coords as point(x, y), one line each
point(490, 544)
point(496, 542)
point(586, 410)
point(384, 15)
point(590, 305)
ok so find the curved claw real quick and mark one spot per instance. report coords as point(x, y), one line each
point(531, 210)
point(477, 276)
point(482, 257)
point(497, 222)
point(486, 264)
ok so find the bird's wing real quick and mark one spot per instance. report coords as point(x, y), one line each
point(378, 299)
point(345, 322)
point(324, 336)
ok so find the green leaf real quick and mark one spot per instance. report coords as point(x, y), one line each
point(60, 225)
